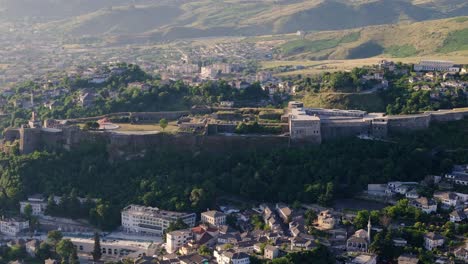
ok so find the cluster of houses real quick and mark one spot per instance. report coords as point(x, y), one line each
point(445, 197)
point(52, 89)
point(456, 202)
point(440, 78)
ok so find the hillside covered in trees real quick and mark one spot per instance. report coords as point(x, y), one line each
point(193, 181)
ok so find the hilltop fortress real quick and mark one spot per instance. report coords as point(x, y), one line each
point(317, 124)
point(300, 126)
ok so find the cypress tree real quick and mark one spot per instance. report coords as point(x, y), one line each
point(97, 247)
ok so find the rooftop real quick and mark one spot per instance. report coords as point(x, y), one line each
point(154, 212)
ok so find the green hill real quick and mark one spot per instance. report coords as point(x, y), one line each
point(168, 20)
point(400, 40)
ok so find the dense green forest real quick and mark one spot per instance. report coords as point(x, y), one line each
point(193, 181)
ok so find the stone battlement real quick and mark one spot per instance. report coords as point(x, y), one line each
point(312, 129)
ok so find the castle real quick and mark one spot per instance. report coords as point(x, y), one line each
point(316, 124)
point(305, 126)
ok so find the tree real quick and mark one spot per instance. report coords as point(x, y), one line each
point(27, 211)
point(65, 249)
point(91, 125)
point(44, 251)
point(53, 237)
point(97, 253)
point(310, 217)
point(204, 250)
point(73, 259)
point(163, 123)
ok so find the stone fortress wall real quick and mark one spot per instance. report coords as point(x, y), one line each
point(346, 123)
point(323, 128)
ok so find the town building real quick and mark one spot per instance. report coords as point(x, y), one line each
point(436, 65)
point(178, 238)
point(360, 241)
point(231, 257)
point(12, 226)
point(425, 204)
point(152, 220)
point(116, 249)
point(447, 199)
point(38, 204)
point(457, 216)
point(433, 240)
point(31, 247)
point(325, 220)
point(364, 259)
point(459, 175)
point(461, 253)
point(213, 218)
point(408, 259)
point(270, 252)
point(284, 212)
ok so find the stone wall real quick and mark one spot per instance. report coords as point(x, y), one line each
point(341, 129)
point(405, 123)
point(31, 139)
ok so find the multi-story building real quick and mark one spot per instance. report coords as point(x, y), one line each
point(115, 249)
point(178, 238)
point(12, 227)
point(448, 199)
point(38, 204)
point(303, 126)
point(433, 240)
point(326, 220)
point(152, 220)
point(270, 252)
point(436, 65)
point(426, 205)
point(213, 218)
point(231, 257)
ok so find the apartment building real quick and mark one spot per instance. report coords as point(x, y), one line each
point(151, 220)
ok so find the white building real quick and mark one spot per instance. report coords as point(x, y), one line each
point(38, 205)
point(433, 240)
point(12, 227)
point(178, 238)
point(115, 249)
point(448, 199)
point(457, 216)
point(213, 218)
point(426, 205)
point(152, 220)
point(270, 252)
point(436, 65)
point(231, 257)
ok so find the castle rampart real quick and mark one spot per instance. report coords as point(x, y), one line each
point(303, 128)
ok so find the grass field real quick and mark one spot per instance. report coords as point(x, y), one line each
point(456, 40)
point(314, 67)
point(172, 127)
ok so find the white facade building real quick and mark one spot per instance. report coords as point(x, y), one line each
point(433, 240)
point(213, 218)
point(231, 257)
point(178, 238)
point(38, 205)
point(12, 227)
point(436, 65)
point(152, 220)
point(115, 249)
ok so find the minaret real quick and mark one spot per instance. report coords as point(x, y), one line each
point(369, 227)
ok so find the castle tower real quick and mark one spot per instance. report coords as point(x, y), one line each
point(369, 227)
